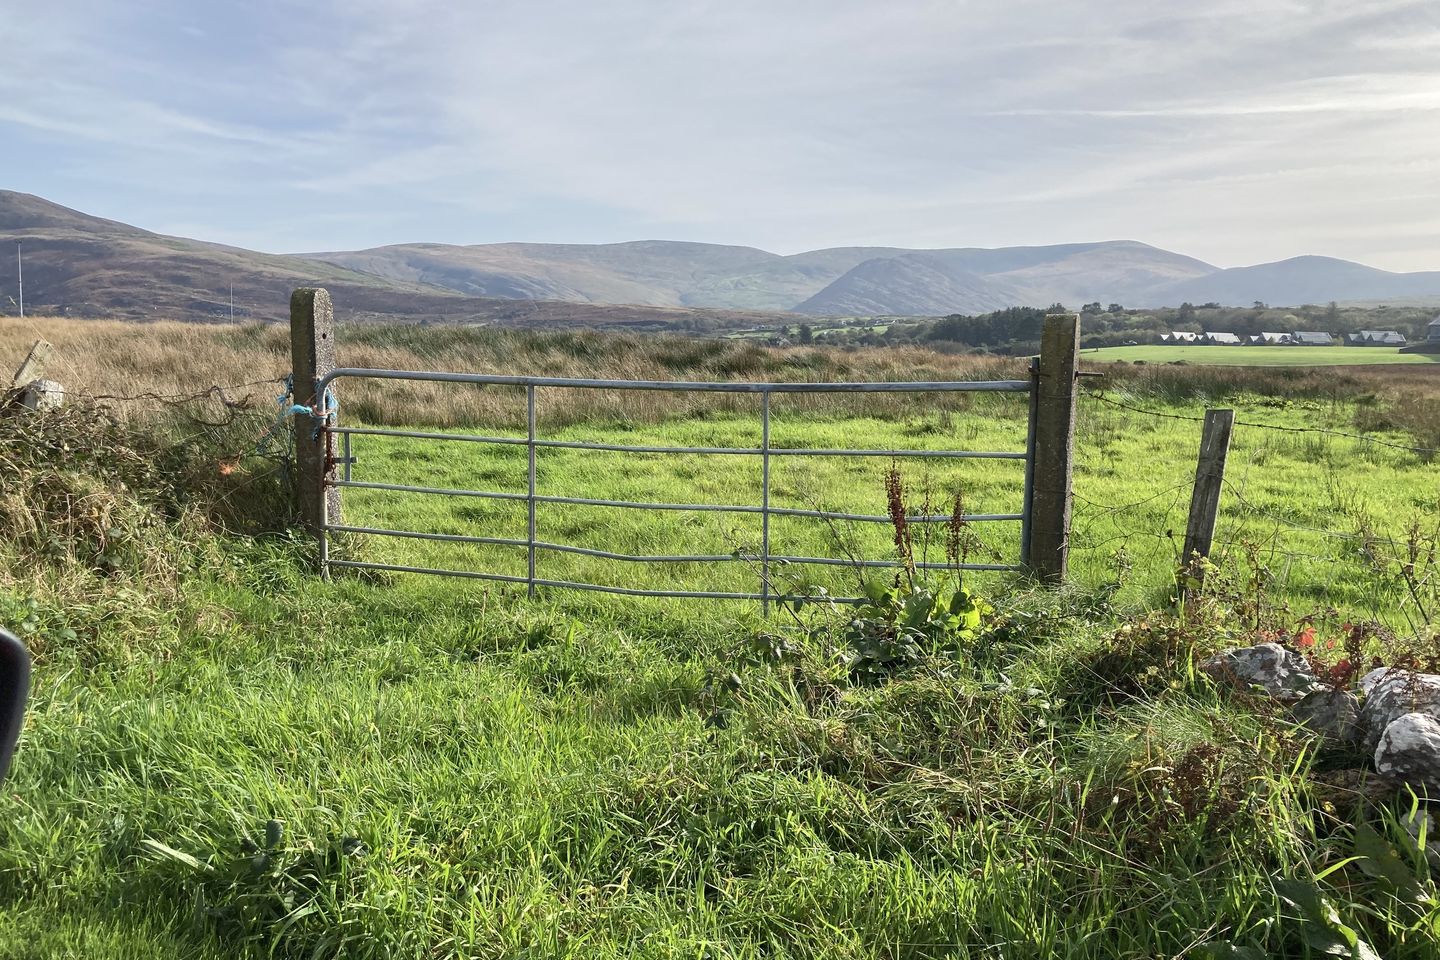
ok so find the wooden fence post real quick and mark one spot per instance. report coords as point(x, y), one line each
point(1048, 551)
point(1209, 478)
point(312, 356)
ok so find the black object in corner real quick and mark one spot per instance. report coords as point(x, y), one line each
point(14, 688)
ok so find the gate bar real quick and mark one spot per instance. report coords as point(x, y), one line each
point(1029, 496)
point(573, 585)
point(634, 448)
point(530, 411)
point(765, 502)
point(639, 558)
point(702, 386)
point(710, 507)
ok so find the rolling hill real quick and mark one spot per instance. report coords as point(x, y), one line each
point(871, 281)
point(83, 265)
point(1300, 280)
point(841, 281)
point(86, 265)
point(921, 282)
point(654, 272)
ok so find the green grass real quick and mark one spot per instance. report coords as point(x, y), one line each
point(457, 771)
point(1299, 501)
point(549, 780)
point(1259, 356)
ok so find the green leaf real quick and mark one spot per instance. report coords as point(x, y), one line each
point(170, 853)
point(1381, 862)
point(1322, 929)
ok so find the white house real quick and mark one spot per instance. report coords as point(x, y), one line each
point(1377, 338)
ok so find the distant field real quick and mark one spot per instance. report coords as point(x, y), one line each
point(1260, 356)
point(764, 333)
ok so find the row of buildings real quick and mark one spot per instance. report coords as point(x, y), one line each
point(1363, 338)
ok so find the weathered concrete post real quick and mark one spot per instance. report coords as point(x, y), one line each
point(34, 366)
point(1209, 478)
point(312, 356)
point(1048, 551)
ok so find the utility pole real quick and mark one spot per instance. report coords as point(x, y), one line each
point(20, 270)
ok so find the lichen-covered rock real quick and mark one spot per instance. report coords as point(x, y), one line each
point(1409, 750)
point(1281, 673)
point(1334, 714)
point(1391, 694)
point(1368, 682)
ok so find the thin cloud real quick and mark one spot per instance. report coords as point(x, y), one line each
point(1237, 130)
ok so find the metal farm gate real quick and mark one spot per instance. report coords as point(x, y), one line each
point(325, 457)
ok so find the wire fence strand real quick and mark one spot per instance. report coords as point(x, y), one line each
point(1424, 451)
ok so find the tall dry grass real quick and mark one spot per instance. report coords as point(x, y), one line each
point(109, 358)
point(105, 359)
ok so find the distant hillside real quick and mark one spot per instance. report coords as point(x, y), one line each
point(81, 265)
point(842, 281)
point(933, 281)
point(89, 266)
point(1300, 280)
point(916, 284)
point(654, 272)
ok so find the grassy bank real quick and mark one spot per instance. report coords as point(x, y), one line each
point(227, 757)
point(427, 770)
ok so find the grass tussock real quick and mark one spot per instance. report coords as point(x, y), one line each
point(102, 520)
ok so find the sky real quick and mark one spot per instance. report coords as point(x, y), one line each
point(1236, 132)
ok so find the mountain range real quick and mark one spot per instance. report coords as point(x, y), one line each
point(78, 263)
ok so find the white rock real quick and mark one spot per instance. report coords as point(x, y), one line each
point(1392, 694)
point(1367, 682)
point(1281, 673)
point(1334, 714)
point(1409, 750)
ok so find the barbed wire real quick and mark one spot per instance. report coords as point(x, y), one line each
point(1106, 509)
point(215, 392)
point(1428, 451)
point(184, 403)
point(1284, 521)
